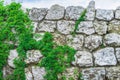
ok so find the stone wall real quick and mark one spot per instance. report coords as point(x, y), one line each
point(97, 41)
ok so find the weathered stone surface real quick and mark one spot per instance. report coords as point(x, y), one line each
point(100, 27)
point(118, 54)
point(47, 26)
point(38, 73)
point(75, 41)
point(105, 57)
point(56, 12)
point(65, 27)
point(103, 14)
point(94, 73)
point(114, 26)
point(86, 27)
point(73, 12)
point(28, 74)
point(37, 14)
point(33, 56)
point(113, 73)
point(12, 55)
point(112, 39)
point(83, 59)
point(117, 13)
point(35, 24)
point(93, 41)
point(38, 36)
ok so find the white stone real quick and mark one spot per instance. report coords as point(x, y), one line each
point(103, 14)
point(73, 12)
point(112, 39)
point(7, 70)
point(28, 74)
point(83, 59)
point(93, 41)
point(56, 12)
point(117, 14)
point(46, 26)
point(65, 27)
point(86, 27)
point(38, 36)
point(118, 54)
point(105, 57)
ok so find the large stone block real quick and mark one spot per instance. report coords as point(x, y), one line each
point(118, 54)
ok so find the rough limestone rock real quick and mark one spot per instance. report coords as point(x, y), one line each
point(83, 59)
point(28, 74)
point(65, 27)
point(103, 14)
point(12, 55)
point(113, 73)
point(117, 13)
point(93, 41)
point(38, 73)
point(35, 24)
point(86, 27)
point(112, 39)
point(38, 36)
point(56, 12)
point(75, 41)
point(37, 14)
point(114, 26)
point(94, 73)
point(90, 11)
point(100, 27)
point(33, 56)
point(118, 54)
point(105, 57)
point(73, 12)
point(46, 26)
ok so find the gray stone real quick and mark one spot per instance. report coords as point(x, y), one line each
point(75, 41)
point(103, 14)
point(86, 27)
point(28, 74)
point(94, 73)
point(35, 24)
point(56, 12)
point(83, 59)
point(118, 54)
point(65, 27)
point(38, 36)
point(93, 41)
point(37, 14)
point(105, 57)
point(113, 73)
point(73, 12)
point(112, 39)
point(100, 27)
point(46, 26)
point(33, 56)
point(117, 13)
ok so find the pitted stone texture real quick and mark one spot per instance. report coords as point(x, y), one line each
point(38, 36)
point(12, 55)
point(93, 41)
point(117, 13)
point(70, 74)
point(112, 39)
point(28, 74)
point(65, 27)
point(33, 56)
point(37, 14)
point(56, 12)
point(100, 27)
point(114, 26)
point(118, 54)
point(103, 14)
point(90, 14)
point(86, 27)
point(105, 57)
point(113, 73)
point(35, 24)
point(73, 12)
point(38, 73)
point(47, 26)
point(83, 59)
point(94, 73)
point(75, 41)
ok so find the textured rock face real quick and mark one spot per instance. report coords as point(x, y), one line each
point(117, 13)
point(103, 14)
point(38, 36)
point(37, 14)
point(86, 27)
point(83, 59)
point(118, 54)
point(73, 12)
point(112, 39)
point(56, 12)
point(65, 27)
point(28, 74)
point(105, 57)
point(94, 73)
